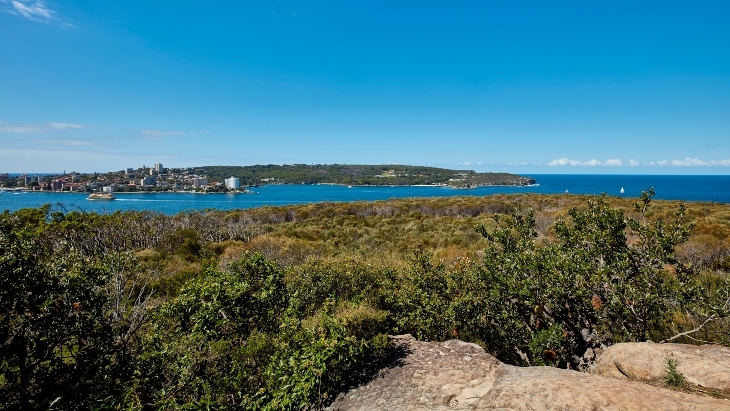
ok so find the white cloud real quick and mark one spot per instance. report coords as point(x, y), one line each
point(35, 10)
point(575, 163)
point(68, 143)
point(562, 162)
point(65, 126)
point(161, 133)
point(35, 128)
point(687, 162)
point(692, 162)
point(195, 133)
point(615, 162)
point(7, 128)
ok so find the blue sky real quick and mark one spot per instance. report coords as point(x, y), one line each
point(522, 87)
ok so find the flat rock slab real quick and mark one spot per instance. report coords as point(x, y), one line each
point(461, 376)
point(706, 366)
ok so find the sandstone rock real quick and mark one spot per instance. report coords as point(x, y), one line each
point(706, 366)
point(461, 376)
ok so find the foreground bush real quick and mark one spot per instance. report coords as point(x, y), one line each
point(608, 277)
point(65, 326)
point(231, 340)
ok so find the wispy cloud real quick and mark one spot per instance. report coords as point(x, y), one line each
point(691, 162)
point(35, 10)
point(157, 135)
point(29, 128)
point(65, 126)
point(161, 133)
point(615, 162)
point(68, 143)
point(36, 128)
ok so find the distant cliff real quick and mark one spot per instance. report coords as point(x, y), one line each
point(376, 175)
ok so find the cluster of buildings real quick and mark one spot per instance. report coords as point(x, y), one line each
point(156, 178)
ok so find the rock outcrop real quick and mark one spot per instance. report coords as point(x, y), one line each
point(706, 366)
point(461, 376)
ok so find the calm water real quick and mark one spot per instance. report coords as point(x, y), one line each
point(687, 188)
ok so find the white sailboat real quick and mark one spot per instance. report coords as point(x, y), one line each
point(622, 190)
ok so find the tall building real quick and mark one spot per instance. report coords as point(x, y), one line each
point(233, 183)
point(159, 169)
point(199, 182)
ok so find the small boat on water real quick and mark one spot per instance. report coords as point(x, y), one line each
point(101, 196)
point(622, 190)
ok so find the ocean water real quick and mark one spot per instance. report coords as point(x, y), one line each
point(686, 188)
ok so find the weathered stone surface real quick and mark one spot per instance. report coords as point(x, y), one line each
point(461, 376)
point(707, 366)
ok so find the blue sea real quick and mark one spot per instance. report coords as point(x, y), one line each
point(714, 188)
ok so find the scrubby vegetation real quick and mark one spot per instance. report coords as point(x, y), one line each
point(282, 308)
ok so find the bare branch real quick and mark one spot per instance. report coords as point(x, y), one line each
point(524, 356)
point(709, 319)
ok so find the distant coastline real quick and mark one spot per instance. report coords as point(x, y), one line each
point(235, 179)
point(715, 188)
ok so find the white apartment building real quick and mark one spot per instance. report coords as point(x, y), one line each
point(233, 183)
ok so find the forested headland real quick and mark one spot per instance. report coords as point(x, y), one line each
point(376, 175)
point(284, 307)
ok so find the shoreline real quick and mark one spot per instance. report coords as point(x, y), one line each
point(87, 193)
point(23, 190)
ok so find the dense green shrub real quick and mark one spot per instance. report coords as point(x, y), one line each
point(62, 339)
point(420, 300)
point(608, 277)
point(231, 339)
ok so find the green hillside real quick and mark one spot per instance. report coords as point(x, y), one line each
point(377, 175)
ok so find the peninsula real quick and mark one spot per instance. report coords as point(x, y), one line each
point(236, 178)
point(373, 175)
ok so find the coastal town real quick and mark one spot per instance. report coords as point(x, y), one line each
point(142, 179)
